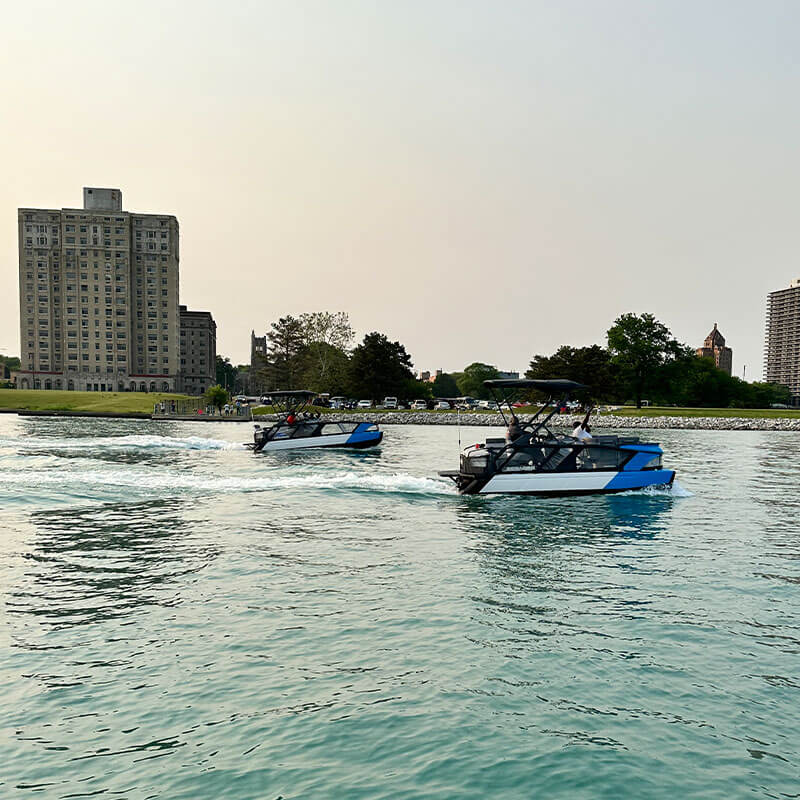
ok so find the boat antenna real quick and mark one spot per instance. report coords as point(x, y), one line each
point(458, 416)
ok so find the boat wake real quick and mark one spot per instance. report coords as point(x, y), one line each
point(130, 442)
point(85, 483)
point(674, 490)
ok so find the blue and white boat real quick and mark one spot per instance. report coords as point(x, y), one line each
point(534, 460)
point(297, 428)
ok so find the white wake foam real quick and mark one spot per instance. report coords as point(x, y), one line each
point(673, 490)
point(159, 481)
point(130, 442)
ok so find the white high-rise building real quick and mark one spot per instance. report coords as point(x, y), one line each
point(782, 346)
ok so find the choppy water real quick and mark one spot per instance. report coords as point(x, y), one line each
point(183, 619)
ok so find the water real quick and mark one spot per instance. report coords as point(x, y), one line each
point(183, 619)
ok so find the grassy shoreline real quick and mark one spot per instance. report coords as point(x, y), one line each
point(109, 402)
point(142, 402)
point(742, 413)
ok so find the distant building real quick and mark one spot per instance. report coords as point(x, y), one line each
point(782, 345)
point(508, 376)
point(425, 376)
point(198, 351)
point(98, 297)
point(714, 347)
point(258, 363)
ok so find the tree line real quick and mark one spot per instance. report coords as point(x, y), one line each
point(316, 351)
point(640, 360)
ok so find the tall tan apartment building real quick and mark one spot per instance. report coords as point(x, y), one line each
point(198, 351)
point(782, 348)
point(98, 297)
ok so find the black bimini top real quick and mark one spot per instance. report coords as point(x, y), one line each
point(530, 383)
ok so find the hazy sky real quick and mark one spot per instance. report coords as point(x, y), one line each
point(480, 180)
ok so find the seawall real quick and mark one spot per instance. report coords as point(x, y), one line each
point(569, 421)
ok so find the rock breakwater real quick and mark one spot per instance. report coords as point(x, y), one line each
point(569, 421)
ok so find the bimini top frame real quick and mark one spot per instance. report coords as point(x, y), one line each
point(291, 401)
point(503, 390)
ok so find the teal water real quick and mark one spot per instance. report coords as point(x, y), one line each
point(183, 619)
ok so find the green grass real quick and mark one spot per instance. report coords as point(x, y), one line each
point(115, 402)
point(666, 411)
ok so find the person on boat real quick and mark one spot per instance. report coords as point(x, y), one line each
point(513, 432)
point(582, 432)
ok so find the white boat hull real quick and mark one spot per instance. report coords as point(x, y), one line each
point(581, 482)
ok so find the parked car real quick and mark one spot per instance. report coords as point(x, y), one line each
point(338, 402)
point(364, 404)
point(390, 402)
point(419, 405)
point(240, 398)
point(442, 405)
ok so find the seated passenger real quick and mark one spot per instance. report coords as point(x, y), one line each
point(513, 432)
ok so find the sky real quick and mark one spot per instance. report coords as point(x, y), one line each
point(482, 181)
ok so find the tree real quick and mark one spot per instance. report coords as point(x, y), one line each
point(590, 366)
point(415, 390)
point(379, 368)
point(216, 396)
point(323, 368)
point(470, 381)
point(445, 386)
point(285, 343)
point(326, 339)
point(639, 346)
point(225, 372)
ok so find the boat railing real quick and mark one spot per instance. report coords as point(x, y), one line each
point(546, 455)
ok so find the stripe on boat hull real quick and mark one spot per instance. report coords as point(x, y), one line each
point(566, 483)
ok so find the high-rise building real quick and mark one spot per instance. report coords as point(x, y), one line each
point(714, 347)
point(198, 351)
point(782, 347)
point(98, 297)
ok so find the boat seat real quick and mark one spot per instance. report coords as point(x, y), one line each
point(495, 443)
